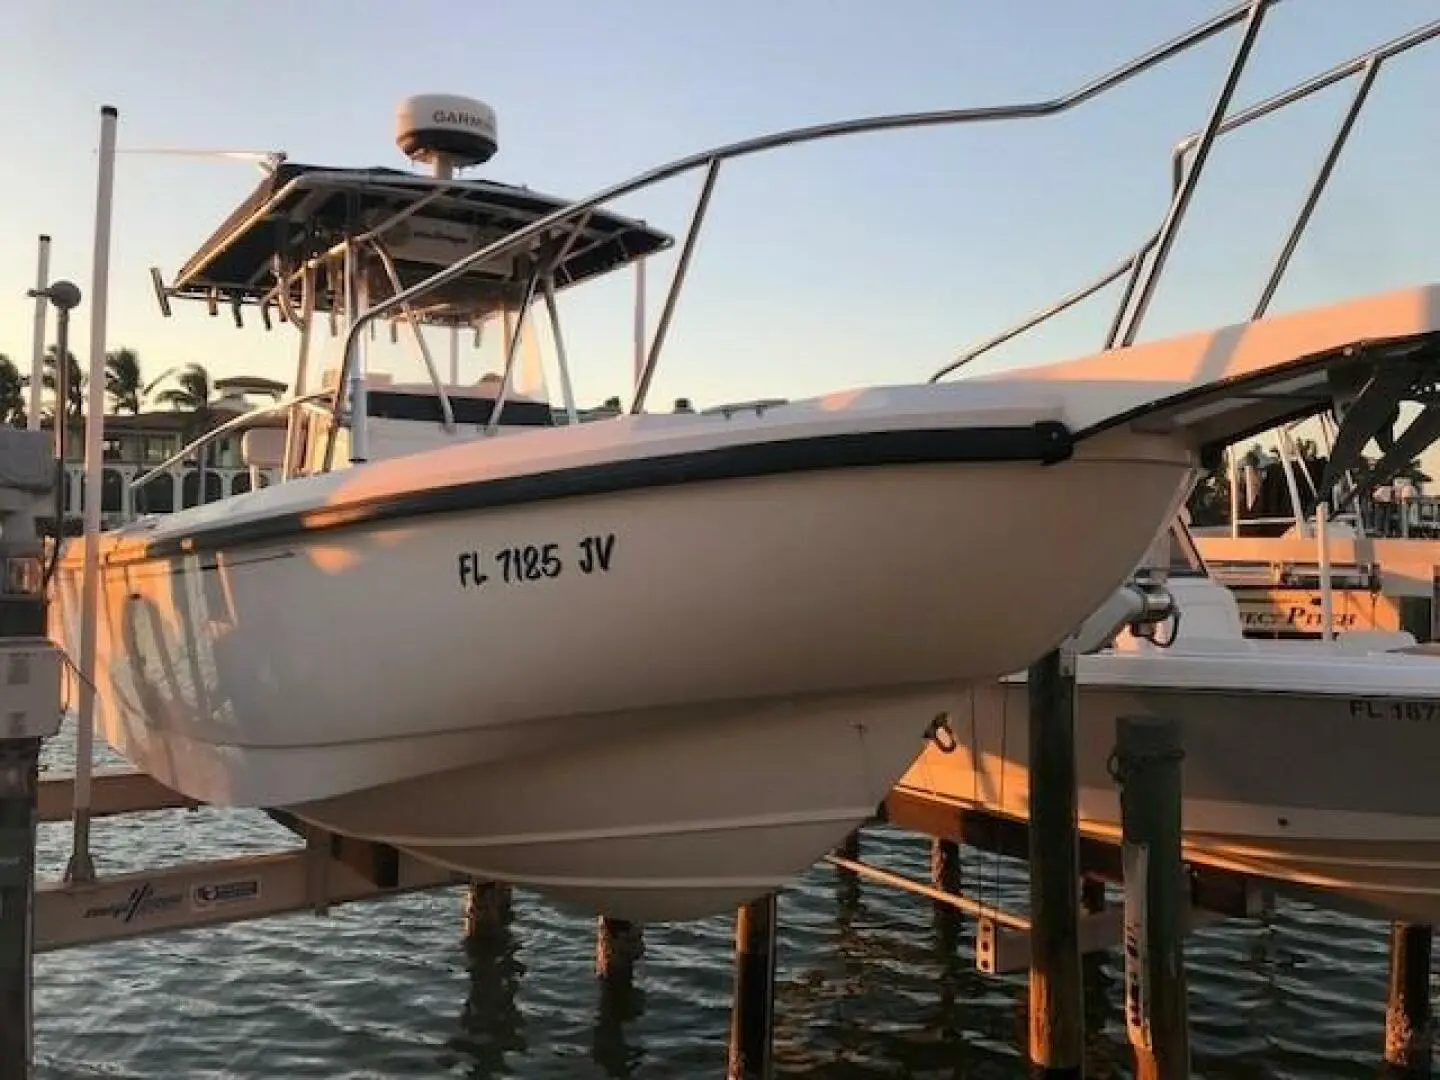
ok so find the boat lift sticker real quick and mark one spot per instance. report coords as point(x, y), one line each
point(213, 894)
point(1135, 860)
point(142, 900)
point(1418, 712)
point(536, 562)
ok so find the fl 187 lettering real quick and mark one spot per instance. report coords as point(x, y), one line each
point(519, 564)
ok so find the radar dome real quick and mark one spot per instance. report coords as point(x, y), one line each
point(445, 131)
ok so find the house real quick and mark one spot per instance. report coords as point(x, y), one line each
point(135, 444)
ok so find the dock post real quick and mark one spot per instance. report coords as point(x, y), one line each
point(752, 1020)
point(619, 943)
point(30, 705)
point(1409, 1020)
point(945, 865)
point(486, 908)
point(1147, 767)
point(19, 786)
point(1057, 1022)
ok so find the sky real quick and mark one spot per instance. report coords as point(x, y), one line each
point(872, 259)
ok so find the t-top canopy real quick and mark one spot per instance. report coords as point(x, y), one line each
point(301, 212)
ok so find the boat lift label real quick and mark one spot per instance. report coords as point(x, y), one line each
point(1135, 861)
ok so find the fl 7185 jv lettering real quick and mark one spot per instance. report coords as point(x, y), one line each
point(518, 564)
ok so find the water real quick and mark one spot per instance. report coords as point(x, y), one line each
point(872, 982)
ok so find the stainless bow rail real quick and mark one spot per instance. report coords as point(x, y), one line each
point(1130, 312)
point(548, 228)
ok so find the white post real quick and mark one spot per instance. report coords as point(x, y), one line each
point(81, 867)
point(507, 333)
point(639, 365)
point(356, 303)
point(1327, 596)
point(37, 340)
point(1234, 463)
point(295, 418)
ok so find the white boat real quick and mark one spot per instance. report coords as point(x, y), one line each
point(1307, 763)
point(654, 665)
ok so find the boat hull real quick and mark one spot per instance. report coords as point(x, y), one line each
point(358, 674)
point(1328, 795)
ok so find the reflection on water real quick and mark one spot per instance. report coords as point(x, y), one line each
point(491, 1024)
point(871, 983)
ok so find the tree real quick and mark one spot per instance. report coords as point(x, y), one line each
point(191, 392)
point(12, 393)
point(75, 391)
point(122, 380)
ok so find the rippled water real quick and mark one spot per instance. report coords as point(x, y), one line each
point(872, 982)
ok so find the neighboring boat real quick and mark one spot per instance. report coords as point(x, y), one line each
point(654, 665)
point(1306, 763)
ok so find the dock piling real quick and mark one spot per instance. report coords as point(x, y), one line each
point(30, 707)
point(19, 782)
point(752, 1022)
point(1409, 1018)
point(945, 864)
point(1147, 767)
point(486, 908)
point(1056, 990)
point(619, 943)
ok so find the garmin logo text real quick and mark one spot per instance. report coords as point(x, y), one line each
point(464, 119)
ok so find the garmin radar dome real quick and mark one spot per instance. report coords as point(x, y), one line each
point(445, 131)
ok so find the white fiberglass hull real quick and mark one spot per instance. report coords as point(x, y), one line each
point(1308, 765)
point(687, 696)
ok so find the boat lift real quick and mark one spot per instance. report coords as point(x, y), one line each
point(330, 869)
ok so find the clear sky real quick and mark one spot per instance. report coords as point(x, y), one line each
point(862, 260)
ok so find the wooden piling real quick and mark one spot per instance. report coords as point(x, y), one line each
point(487, 908)
point(1409, 1019)
point(945, 864)
point(19, 786)
point(618, 945)
point(1056, 993)
point(752, 1021)
point(1148, 756)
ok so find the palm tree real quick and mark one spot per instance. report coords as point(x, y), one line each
point(12, 393)
point(75, 391)
point(191, 392)
point(122, 379)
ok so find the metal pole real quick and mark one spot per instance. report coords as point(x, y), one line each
point(81, 867)
point(638, 367)
point(572, 414)
point(37, 340)
point(1327, 591)
point(1181, 202)
point(454, 356)
point(355, 305)
point(295, 417)
point(682, 267)
point(1322, 178)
